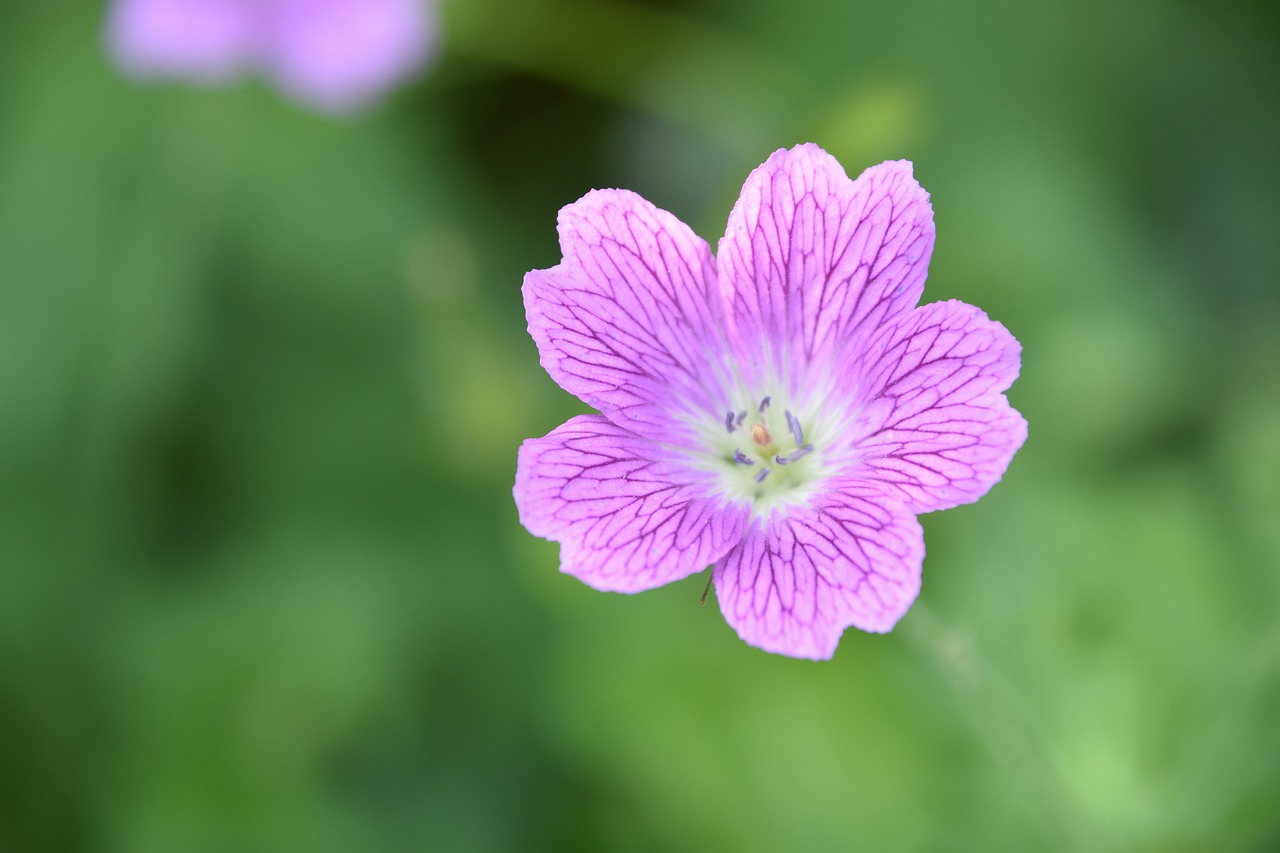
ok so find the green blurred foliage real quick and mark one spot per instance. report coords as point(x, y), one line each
point(263, 376)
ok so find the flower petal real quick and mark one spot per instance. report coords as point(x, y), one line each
point(933, 421)
point(626, 521)
point(812, 262)
point(337, 55)
point(207, 40)
point(626, 321)
point(797, 581)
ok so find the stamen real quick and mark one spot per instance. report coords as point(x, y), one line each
point(742, 416)
point(796, 431)
point(761, 436)
point(764, 472)
point(781, 460)
point(804, 451)
point(764, 404)
point(742, 458)
point(728, 421)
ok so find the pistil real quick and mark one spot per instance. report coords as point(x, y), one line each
point(767, 463)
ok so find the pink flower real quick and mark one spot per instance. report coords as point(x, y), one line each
point(781, 411)
point(333, 55)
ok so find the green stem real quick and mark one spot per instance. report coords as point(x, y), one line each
point(1006, 730)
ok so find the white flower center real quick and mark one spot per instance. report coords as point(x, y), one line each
point(765, 454)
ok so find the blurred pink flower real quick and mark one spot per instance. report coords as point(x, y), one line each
point(334, 55)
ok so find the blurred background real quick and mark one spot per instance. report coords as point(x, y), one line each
point(263, 374)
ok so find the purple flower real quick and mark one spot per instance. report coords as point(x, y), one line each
point(334, 55)
point(781, 411)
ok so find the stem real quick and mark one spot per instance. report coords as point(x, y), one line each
point(1006, 731)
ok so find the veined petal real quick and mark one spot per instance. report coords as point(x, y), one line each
point(797, 581)
point(210, 40)
point(933, 422)
point(337, 54)
point(812, 262)
point(626, 321)
point(625, 520)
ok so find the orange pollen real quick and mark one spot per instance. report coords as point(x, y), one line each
point(761, 436)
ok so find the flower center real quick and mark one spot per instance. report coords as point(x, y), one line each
point(764, 457)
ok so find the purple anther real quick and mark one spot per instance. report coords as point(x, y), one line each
point(742, 458)
point(728, 421)
point(764, 472)
point(781, 460)
point(742, 416)
point(764, 404)
point(796, 431)
point(804, 451)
